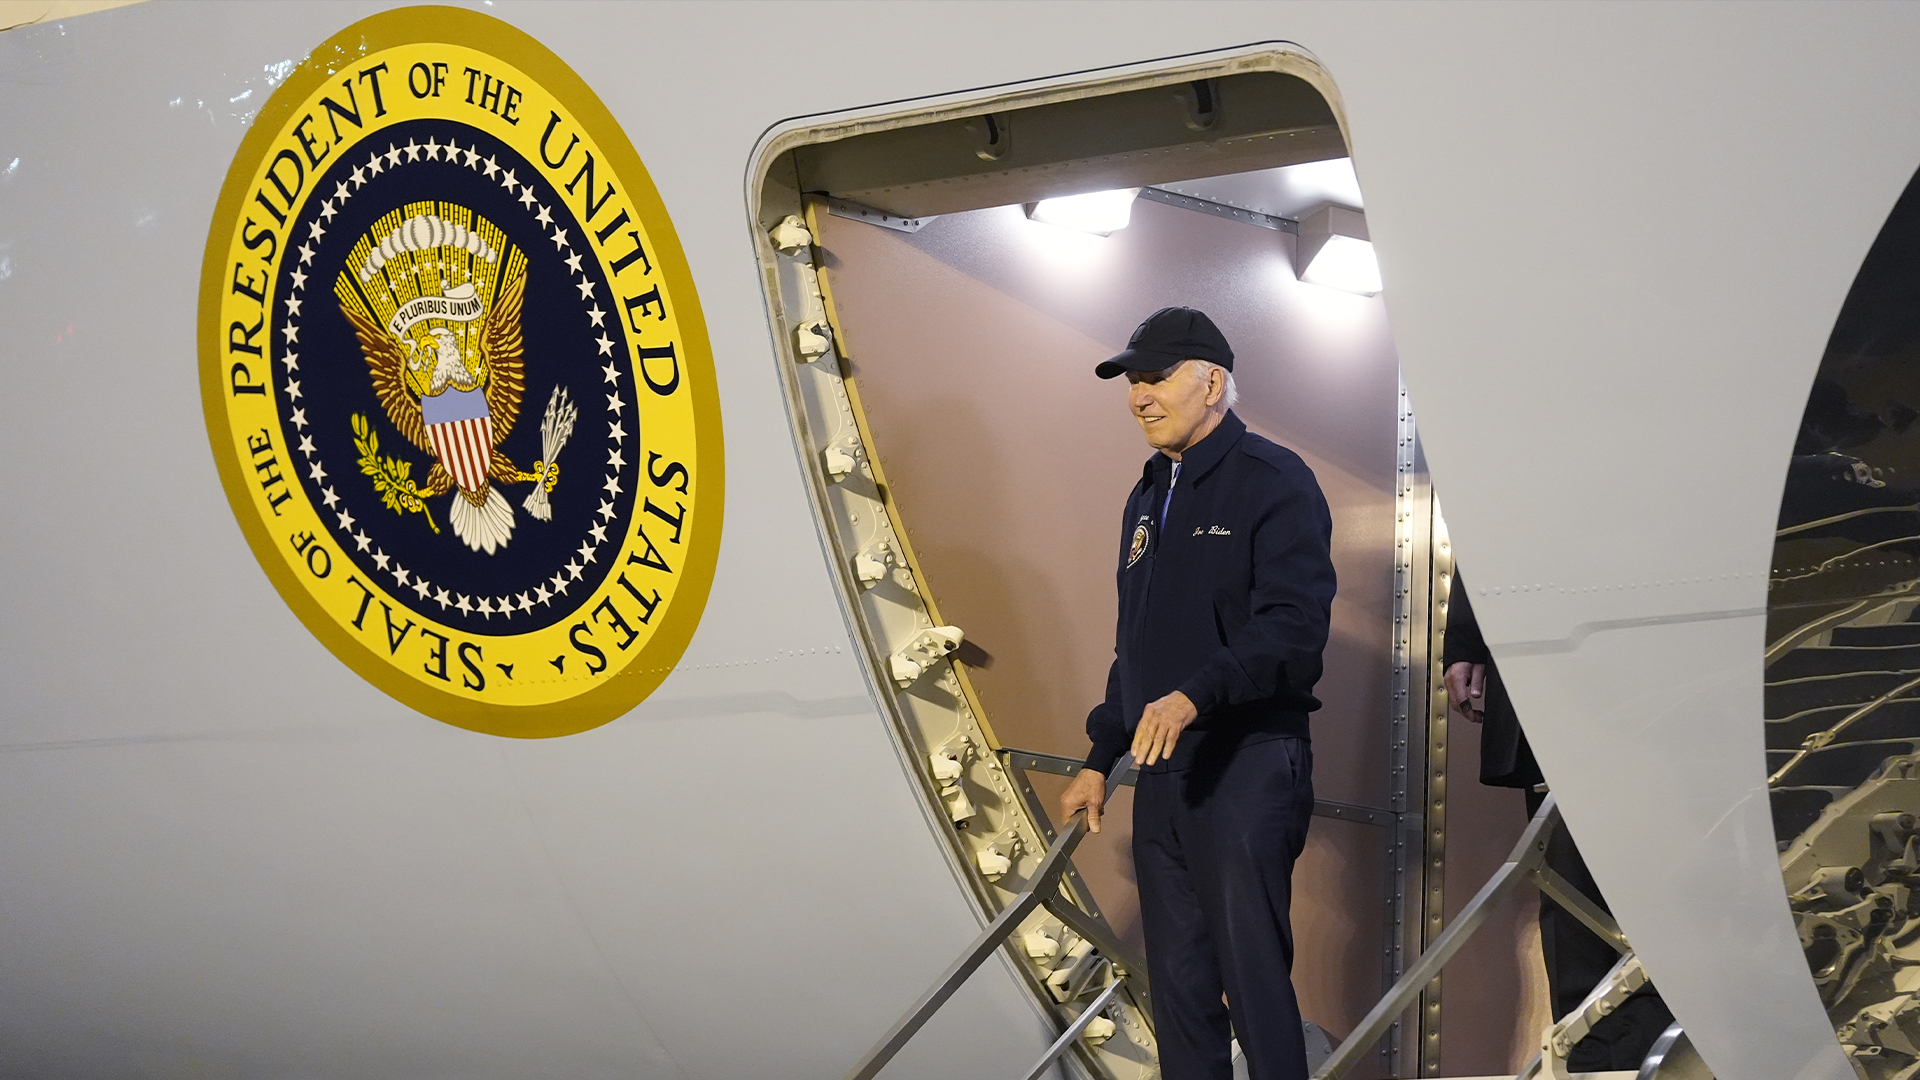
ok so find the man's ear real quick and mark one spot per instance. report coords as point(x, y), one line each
point(1216, 386)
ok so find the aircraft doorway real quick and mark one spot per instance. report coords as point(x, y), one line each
point(970, 469)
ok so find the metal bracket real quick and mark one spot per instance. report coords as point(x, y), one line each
point(1220, 210)
point(853, 211)
point(1434, 823)
point(1406, 753)
point(931, 645)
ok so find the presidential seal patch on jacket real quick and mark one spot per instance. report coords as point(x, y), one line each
point(457, 381)
point(1138, 546)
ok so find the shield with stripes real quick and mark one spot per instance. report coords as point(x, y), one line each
point(461, 431)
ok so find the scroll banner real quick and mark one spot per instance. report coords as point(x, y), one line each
point(459, 305)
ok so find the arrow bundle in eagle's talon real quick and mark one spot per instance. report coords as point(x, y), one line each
point(554, 431)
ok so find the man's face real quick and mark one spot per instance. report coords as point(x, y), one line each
point(1171, 405)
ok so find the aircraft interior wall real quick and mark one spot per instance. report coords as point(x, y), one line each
point(973, 341)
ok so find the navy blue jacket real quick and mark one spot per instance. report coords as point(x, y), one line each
point(1229, 604)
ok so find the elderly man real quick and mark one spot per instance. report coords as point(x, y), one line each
point(1225, 590)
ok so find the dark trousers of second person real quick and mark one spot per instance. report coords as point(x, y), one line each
point(1577, 959)
point(1213, 849)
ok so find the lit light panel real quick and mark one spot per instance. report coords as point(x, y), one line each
point(1345, 263)
point(1099, 212)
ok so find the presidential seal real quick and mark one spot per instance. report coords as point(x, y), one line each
point(1138, 546)
point(456, 378)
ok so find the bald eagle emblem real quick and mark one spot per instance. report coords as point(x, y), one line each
point(434, 293)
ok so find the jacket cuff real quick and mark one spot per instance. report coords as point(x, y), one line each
point(1203, 692)
point(1103, 757)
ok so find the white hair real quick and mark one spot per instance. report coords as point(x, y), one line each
point(1230, 396)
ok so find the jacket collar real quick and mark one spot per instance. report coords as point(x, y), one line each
point(1201, 457)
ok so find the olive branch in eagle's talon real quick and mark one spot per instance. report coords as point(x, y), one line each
point(390, 475)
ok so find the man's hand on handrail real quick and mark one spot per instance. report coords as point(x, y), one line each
point(1088, 792)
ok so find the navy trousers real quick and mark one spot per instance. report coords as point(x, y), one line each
point(1213, 849)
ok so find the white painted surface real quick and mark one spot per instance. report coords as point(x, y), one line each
point(1614, 241)
point(1609, 358)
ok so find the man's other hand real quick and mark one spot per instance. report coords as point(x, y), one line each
point(1160, 726)
point(1088, 791)
point(1466, 687)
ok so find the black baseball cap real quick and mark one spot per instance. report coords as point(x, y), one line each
point(1169, 336)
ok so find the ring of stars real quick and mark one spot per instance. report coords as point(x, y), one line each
point(452, 154)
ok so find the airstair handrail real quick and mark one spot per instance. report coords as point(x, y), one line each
point(1040, 888)
point(1074, 1029)
point(1526, 864)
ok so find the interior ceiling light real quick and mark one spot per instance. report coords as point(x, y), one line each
point(1334, 251)
point(1101, 212)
